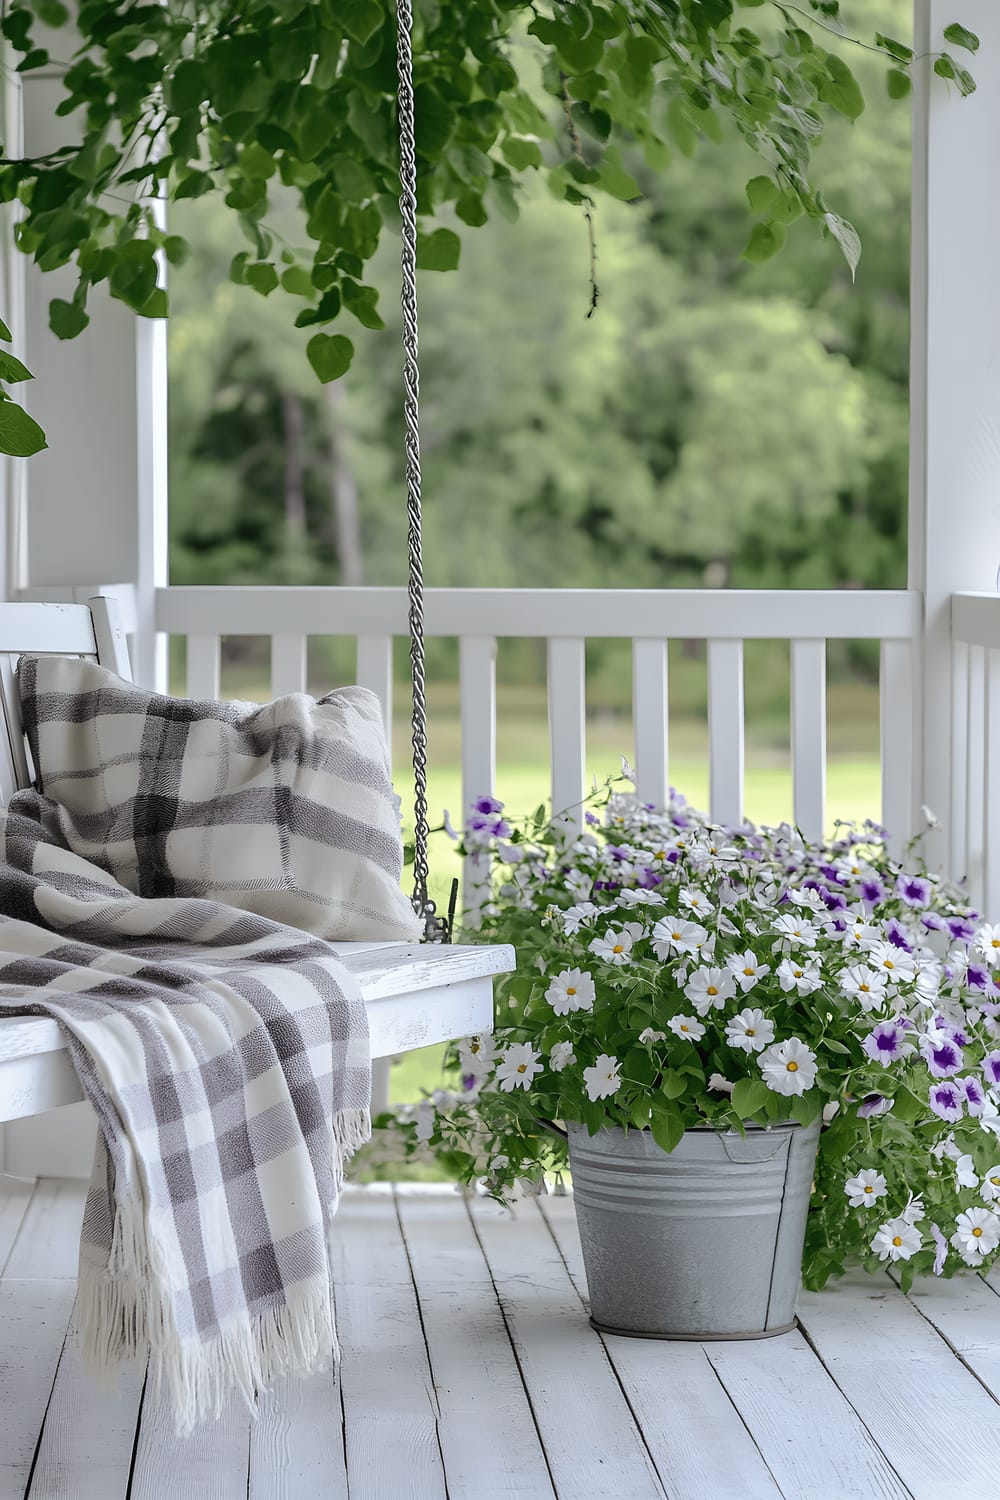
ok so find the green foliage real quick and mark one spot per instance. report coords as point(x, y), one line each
point(296, 98)
point(20, 435)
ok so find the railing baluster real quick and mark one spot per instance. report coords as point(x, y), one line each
point(477, 656)
point(288, 664)
point(974, 773)
point(567, 727)
point(991, 786)
point(725, 731)
point(957, 812)
point(808, 736)
point(896, 735)
point(650, 719)
point(204, 666)
point(374, 671)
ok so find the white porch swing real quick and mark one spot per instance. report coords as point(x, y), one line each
point(415, 995)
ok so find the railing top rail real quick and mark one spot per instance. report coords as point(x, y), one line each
point(975, 619)
point(699, 614)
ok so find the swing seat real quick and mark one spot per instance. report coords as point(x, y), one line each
point(416, 995)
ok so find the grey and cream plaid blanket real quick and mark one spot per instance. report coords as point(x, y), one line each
point(227, 1058)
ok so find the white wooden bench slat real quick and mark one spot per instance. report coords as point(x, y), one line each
point(415, 996)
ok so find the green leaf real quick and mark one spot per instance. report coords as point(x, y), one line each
point(175, 248)
point(847, 238)
point(840, 88)
point(330, 355)
point(361, 301)
point(898, 50)
point(262, 276)
point(667, 1128)
point(54, 13)
point(20, 435)
point(66, 319)
point(359, 18)
point(12, 370)
point(761, 193)
point(898, 83)
point(674, 1084)
point(438, 251)
point(5, 332)
point(298, 281)
point(521, 152)
point(189, 86)
point(615, 179)
point(765, 240)
point(749, 1095)
point(944, 67)
point(960, 36)
point(157, 305)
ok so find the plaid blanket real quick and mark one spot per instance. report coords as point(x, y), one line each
point(227, 1058)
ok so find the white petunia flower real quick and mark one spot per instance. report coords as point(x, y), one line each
point(866, 985)
point(977, 1233)
point(615, 947)
point(640, 897)
point(965, 1172)
point(897, 966)
point(602, 1079)
point(897, 1240)
point(571, 990)
point(709, 989)
point(988, 940)
point(803, 978)
point(476, 1056)
point(561, 1056)
point(989, 1115)
point(989, 1188)
point(517, 1067)
point(788, 1067)
point(795, 932)
point(864, 1190)
point(581, 915)
point(750, 1031)
point(914, 1211)
point(746, 969)
point(676, 935)
point(649, 1035)
point(695, 900)
point(425, 1120)
point(860, 933)
point(688, 1027)
point(720, 1085)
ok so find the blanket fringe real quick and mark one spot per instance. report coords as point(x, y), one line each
point(125, 1311)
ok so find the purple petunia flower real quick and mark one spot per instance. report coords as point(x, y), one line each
point(886, 1043)
point(975, 1095)
point(947, 1100)
point(991, 1068)
point(914, 890)
point(834, 900)
point(943, 1057)
point(896, 933)
point(592, 819)
point(933, 922)
point(649, 879)
point(961, 929)
point(874, 1104)
point(872, 891)
point(487, 805)
point(977, 975)
point(617, 851)
point(941, 1249)
point(955, 1033)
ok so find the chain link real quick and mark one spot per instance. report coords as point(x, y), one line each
point(424, 906)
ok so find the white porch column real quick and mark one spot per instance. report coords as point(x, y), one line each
point(95, 507)
point(954, 539)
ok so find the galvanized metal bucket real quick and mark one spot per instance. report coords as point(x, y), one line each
point(704, 1242)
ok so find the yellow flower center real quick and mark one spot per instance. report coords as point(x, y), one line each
point(676, 936)
point(750, 1031)
point(570, 990)
point(995, 1181)
point(792, 1067)
point(864, 988)
point(685, 1028)
point(976, 1232)
point(888, 963)
point(522, 1067)
point(711, 990)
point(618, 948)
point(995, 942)
point(475, 1046)
point(749, 972)
point(897, 1239)
point(798, 973)
point(660, 854)
point(869, 1188)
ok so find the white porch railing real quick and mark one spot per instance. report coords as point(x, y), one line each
point(975, 731)
point(565, 619)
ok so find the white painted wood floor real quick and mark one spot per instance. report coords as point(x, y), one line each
point(471, 1373)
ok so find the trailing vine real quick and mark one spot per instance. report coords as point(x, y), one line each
point(254, 99)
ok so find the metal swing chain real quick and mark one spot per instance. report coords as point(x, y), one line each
point(436, 928)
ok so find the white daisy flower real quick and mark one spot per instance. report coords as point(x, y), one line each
point(965, 1172)
point(676, 935)
point(581, 915)
point(602, 1079)
point(988, 940)
point(640, 897)
point(897, 965)
point(795, 932)
point(989, 1188)
point(571, 990)
point(649, 1035)
point(914, 1211)
point(695, 900)
point(476, 1056)
point(860, 933)
point(709, 989)
point(788, 1067)
point(615, 947)
point(561, 1056)
point(747, 969)
point(719, 1084)
point(750, 1031)
point(517, 1067)
point(989, 1115)
point(977, 1233)
point(688, 1027)
point(802, 977)
point(865, 1189)
point(866, 985)
point(897, 1240)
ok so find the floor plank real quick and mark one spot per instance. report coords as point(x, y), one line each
point(674, 1391)
point(594, 1447)
point(86, 1447)
point(389, 1403)
point(965, 1310)
point(15, 1195)
point(48, 1243)
point(211, 1464)
point(297, 1443)
point(489, 1441)
point(935, 1423)
point(34, 1316)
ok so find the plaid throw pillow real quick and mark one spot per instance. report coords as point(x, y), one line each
point(285, 809)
